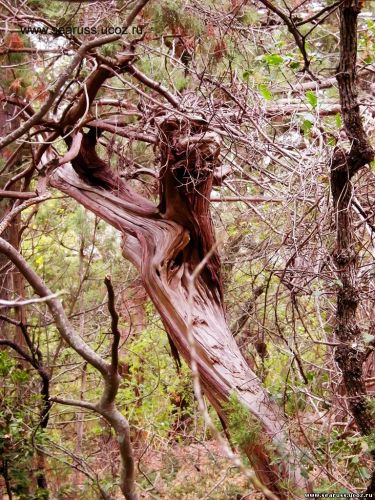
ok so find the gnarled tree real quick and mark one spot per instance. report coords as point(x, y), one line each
point(167, 234)
point(165, 243)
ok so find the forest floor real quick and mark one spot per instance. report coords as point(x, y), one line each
point(194, 472)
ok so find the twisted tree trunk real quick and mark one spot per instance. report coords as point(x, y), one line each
point(166, 243)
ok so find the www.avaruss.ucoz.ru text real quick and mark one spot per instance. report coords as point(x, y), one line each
point(82, 30)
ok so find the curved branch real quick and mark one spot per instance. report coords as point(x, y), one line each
point(121, 131)
point(19, 350)
point(62, 323)
point(361, 151)
point(7, 219)
point(74, 149)
point(53, 93)
point(152, 84)
point(299, 39)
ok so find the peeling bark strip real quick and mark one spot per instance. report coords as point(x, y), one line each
point(349, 355)
point(166, 243)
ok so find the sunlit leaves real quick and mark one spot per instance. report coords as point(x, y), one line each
point(265, 92)
point(311, 98)
point(273, 59)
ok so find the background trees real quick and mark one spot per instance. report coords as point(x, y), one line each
point(233, 129)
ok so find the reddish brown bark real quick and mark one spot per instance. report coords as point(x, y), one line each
point(166, 243)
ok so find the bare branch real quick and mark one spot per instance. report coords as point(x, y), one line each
point(299, 39)
point(18, 349)
point(152, 84)
point(20, 303)
point(17, 210)
point(53, 93)
point(74, 149)
point(62, 323)
point(20, 195)
point(114, 326)
point(75, 402)
point(122, 131)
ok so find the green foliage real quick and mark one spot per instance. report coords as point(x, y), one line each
point(243, 427)
point(307, 125)
point(151, 391)
point(371, 405)
point(6, 363)
point(265, 92)
point(171, 14)
point(311, 98)
point(273, 59)
point(111, 49)
point(18, 427)
point(338, 120)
